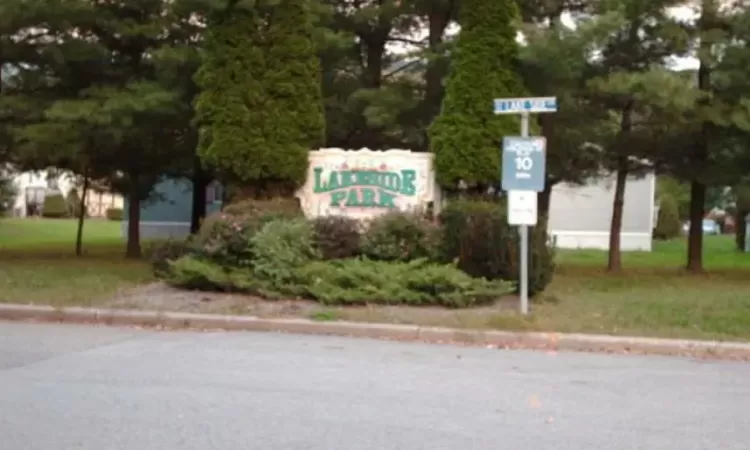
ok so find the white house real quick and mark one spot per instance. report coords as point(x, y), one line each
point(33, 186)
point(580, 216)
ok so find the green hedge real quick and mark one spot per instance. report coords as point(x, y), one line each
point(349, 282)
point(337, 237)
point(400, 236)
point(476, 235)
point(469, 257)
point(55, 206)
point(668, 224)
point(114, 214)
point(74, 203)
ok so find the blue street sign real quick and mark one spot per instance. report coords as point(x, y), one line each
point(524, 163)
point(528, 105)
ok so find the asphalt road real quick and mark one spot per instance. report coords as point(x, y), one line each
point(95, 388)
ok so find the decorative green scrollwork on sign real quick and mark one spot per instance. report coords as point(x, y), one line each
point(364, 188)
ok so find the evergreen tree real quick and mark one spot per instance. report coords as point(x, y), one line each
point(466, 135)
point(8, 193)
point(99, 105)
point(640, 38)
point(260, 107)
point(719, 132)
point(556, 61)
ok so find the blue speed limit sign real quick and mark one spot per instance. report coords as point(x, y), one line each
point(523, 163)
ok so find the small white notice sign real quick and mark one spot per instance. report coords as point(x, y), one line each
point(522, 208)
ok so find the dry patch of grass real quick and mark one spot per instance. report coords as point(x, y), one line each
point(86, 281)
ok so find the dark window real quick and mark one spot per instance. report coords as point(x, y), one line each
point(214, 192)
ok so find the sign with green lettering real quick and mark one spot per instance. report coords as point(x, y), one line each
point(364, 188)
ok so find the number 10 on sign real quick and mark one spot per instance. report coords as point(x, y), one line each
point(523, 163)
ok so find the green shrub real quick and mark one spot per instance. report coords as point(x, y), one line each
point(668, 225)
point(225, 239)
point(349, 282)
point(541, 261)
point(8, 192)
point(273, 208)
point(415, 283)
point(114, 214)
point(55, 206)
point(477, 237)
point(280, 248)
point(190, 272)
point(73, 201)
point(398, 236)
point(337, 237)
point(160, 254)
point(195, 273)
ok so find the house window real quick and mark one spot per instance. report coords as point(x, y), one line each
point(214, 193)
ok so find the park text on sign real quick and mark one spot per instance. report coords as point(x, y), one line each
point(523, 163)
point(364, 188)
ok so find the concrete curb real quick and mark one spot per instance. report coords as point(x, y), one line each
point(499, 339)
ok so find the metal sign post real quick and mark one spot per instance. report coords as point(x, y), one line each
point(523, 175)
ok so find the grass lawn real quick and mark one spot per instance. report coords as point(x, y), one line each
point(56, 235)
point(718, 254)
point(652, 297)
point(38, 265)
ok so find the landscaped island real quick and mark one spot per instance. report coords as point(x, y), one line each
point(466, 257)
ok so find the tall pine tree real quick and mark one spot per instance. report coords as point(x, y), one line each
point(641, 37)
point(465, 136)
point(260, 107)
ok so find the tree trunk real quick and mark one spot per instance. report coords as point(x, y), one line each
point(81, 214)
point(375, 49)
point(133, 249)
point(543, 203)
point(614, 261)
point(698, 188)
point(439, 18)
point(200, 183)
point(740, 231)
point(695, 232)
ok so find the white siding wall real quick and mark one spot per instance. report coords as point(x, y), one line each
point(25, 180)
point(580, 216)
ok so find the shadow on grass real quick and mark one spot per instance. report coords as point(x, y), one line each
point(54, 275)
point(104, 251)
